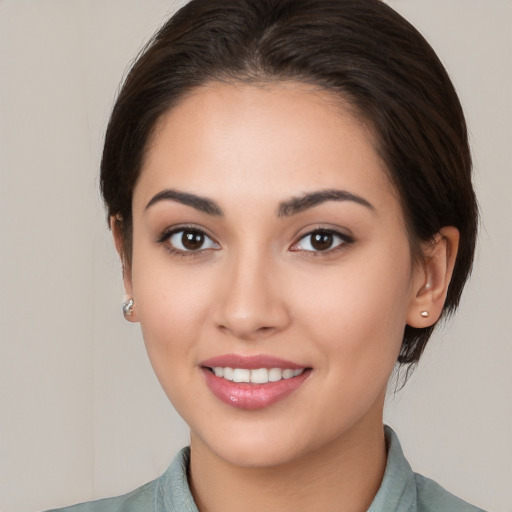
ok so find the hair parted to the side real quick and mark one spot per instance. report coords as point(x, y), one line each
point(361, 51)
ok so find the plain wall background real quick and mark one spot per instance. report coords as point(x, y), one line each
point(81, 413)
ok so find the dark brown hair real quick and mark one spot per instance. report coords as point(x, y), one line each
point(360, 50)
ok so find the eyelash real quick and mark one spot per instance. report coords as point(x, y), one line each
point(165, 240)
point(343, 240)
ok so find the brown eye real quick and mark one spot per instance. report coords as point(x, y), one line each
point(190, 240)
point(321, 240)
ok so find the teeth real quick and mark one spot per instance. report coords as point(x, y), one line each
point(241, 375)
point(287, 374)
point(259, 376)
point(275, 374)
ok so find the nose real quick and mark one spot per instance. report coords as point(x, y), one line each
point(251, 304)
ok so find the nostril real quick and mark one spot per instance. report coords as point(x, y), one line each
point(247, 332)
point(250, 315)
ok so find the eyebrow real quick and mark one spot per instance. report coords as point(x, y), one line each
point(203, 204)
point(299, 204)
point(287, 208)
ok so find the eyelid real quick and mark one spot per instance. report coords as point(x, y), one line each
point(166, 235)
point(345, 240)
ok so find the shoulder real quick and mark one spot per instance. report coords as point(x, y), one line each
point(139, 500)
point(433, 498)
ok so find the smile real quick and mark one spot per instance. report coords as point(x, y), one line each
point(256, 376)
point(253, 382)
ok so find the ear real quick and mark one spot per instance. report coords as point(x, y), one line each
point(116, 227)
point(432, 278)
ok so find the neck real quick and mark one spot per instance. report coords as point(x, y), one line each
point(344, 475)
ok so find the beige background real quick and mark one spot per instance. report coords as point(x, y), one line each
point(81, 414)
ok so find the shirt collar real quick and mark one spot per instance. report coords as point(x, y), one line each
point(397, 491)
point(173, 492)
point(398, 488)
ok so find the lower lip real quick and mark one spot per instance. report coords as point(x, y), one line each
point(243, 395)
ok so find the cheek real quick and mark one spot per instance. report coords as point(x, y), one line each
point(358, 313)
point(358, 326)
point(171, 311)
point(171, 305)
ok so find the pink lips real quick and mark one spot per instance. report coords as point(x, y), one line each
point(250, 362)
point(248, 395)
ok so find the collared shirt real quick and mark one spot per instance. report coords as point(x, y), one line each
point(401, 490)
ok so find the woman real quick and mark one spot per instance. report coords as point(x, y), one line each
point(288, 184)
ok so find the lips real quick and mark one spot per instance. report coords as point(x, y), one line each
point(252, 382)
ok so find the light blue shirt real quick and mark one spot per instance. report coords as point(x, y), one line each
point(401, 490)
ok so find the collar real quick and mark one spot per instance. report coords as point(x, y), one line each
point(397, 491)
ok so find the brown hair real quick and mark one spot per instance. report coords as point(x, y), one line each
point(360, 50)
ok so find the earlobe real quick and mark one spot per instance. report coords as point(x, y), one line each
point(433, 277)
point(128, 306)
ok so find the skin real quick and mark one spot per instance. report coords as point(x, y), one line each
point(258, 288)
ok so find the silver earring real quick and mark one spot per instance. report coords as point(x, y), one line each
point(128, 308)
point(425, 314)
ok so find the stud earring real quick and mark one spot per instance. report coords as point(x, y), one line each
point(425, 314)
point(128, 308)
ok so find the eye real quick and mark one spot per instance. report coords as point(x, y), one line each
point(321, 240)
point(190, 240)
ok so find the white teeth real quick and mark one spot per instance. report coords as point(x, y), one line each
point(258, 376)
point(241, 375)
point(275, 374)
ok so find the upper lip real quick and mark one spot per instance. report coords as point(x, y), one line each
point(250, 362)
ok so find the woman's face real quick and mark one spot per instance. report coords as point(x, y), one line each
point(267, 237)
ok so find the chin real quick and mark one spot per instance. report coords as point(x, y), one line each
point(260, 445)
point(248, 454)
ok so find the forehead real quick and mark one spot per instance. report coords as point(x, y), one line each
point(274, 139)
